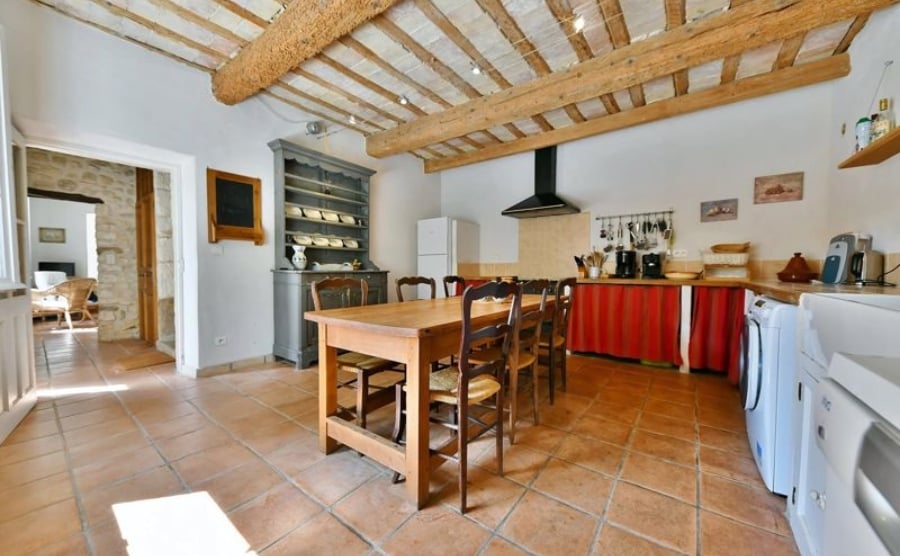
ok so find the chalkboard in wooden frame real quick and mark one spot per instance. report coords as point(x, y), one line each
point(233, 204)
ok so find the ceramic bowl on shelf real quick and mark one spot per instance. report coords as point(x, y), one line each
point(348, 219)
point(352, 243)
point(330, 216)
point(335, 242)
point(682, 275)
point(320, 241)
point(293, 211)
point(312, 213)
point(300, 239)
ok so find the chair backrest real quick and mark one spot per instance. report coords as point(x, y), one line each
point(565, 294)
point(535, 286)
point(450, 285)
point(531, 323)
point(76, 291)
point(414, 281)
point(493, 333)
point(333, 293)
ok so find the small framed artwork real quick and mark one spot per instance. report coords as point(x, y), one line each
point(778, 188)
point(52, 235)
point(716, 211)
point(233, 204)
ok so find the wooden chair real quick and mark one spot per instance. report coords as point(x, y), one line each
point(331, 293)
point(414, 281)
point(472, 382)
point(525, 344)
point(553, 345)
point(450, 285)
point(64, 299)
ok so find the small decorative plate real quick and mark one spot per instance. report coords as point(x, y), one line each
point(312, 213)
point(348, 219)
point(335, 242)
point(330, 216)
point(320, 241)
point(302, 240)
point(352, 243)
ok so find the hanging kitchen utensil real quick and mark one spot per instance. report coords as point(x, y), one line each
point(620, 233)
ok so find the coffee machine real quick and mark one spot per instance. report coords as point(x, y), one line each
point(652, 265)
point(851, 260)
point(626, 264)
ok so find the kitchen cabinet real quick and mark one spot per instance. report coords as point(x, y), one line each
point(875, 153)
point(322, 200)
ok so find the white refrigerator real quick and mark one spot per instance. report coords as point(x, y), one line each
point(442, 244)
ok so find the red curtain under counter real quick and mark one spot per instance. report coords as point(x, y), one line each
point(631, 321)
point(717, 322)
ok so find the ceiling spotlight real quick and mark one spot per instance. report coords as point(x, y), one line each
point(403, 100)
point(578, 23)
point(352, 119)
point(476, 69)
point(314, 128)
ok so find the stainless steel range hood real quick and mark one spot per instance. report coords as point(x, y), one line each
point(544, 202)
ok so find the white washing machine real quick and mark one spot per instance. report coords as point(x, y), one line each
point(767, 377)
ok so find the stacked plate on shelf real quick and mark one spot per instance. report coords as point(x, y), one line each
point(352, 243)
point(348, 219)
point(301, 239)
point(330, 216)
point(312, 213)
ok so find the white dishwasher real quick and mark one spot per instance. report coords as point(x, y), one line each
point(858, 431)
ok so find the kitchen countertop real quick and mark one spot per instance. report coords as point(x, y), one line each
point(788, 292)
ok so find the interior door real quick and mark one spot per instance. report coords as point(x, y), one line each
point(146, 255)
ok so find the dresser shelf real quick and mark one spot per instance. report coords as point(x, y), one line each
point(876, 152)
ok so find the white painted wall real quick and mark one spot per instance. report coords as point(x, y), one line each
point(866, 199)
point(677, 163)
point(70, 80)
point(51, 213)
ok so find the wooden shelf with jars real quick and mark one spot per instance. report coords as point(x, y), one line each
point(876, 152)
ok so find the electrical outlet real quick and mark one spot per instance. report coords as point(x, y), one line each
point(219, 340)
point(679, 253)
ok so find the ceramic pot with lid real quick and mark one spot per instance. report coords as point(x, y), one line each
point(797, 270)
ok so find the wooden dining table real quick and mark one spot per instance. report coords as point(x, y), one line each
point(414, 333)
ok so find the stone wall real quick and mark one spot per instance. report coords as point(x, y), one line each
point(117, 284)
point(165, 257)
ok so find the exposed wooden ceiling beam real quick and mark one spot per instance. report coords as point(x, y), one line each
point(200, 21)
point(675, 17)
point(777, 81)
point(301, 32)
point(614, 19)
point(400, 36)
point(750, 26)
point(851, 33)
point(242, 12)
point(563, 13)
point(731, 63)
point(788, 51)
point(513, 33)
point(444, 24)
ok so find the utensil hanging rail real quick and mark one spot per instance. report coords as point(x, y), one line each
point(636, 215)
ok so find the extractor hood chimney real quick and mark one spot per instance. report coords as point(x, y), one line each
point(544, 202)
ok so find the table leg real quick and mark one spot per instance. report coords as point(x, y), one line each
point(513, 392)
point(327, 389)
point(417, 397)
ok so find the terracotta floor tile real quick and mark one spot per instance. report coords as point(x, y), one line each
point(334, 477)
point(73, 545)
point(96, 416)
point(240, 484)
point(272, 515)
point(667, 426)
point(298, 455)
point(741, 502)
point(489, 498)
point(376, 508)
point(614, 541)
point(201, 439)
point(93, 404)
point(153, 484)
point(574, 485)
point(437, 530)
point(177, 426)
point(731, 465)
point(26, 534)
point(103, 472)
point(22, 472)
point(88, 452)
point(545, 526)
point(732, 420)
point(562, 415)
point(12, 453)
point(278, 396)
point(267, 439)
point(670, 409)
point(201, 466)
point(30, 431)
point(603, 429)
point(725, 440)
point(593, 454)
point(323, 534)
point(665, 447)
point(20, 500)
point(666, 520)
point(307, 406)
point(520, 463)
point(161, 412)
point(539, 437)
point(686, 397)
point(721, 536)
point(498, 546)
point(623, 397)
point(107, 539)
point(661, 476)
point(623, 413)
point(99, 431)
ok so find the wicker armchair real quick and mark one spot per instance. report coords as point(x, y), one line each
point(64, 299)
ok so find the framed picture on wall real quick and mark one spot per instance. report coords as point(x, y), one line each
point(52, 235)
point(778, 188)
point(715, 211)
point(233, 204)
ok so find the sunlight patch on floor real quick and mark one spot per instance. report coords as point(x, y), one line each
point(52, 392)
